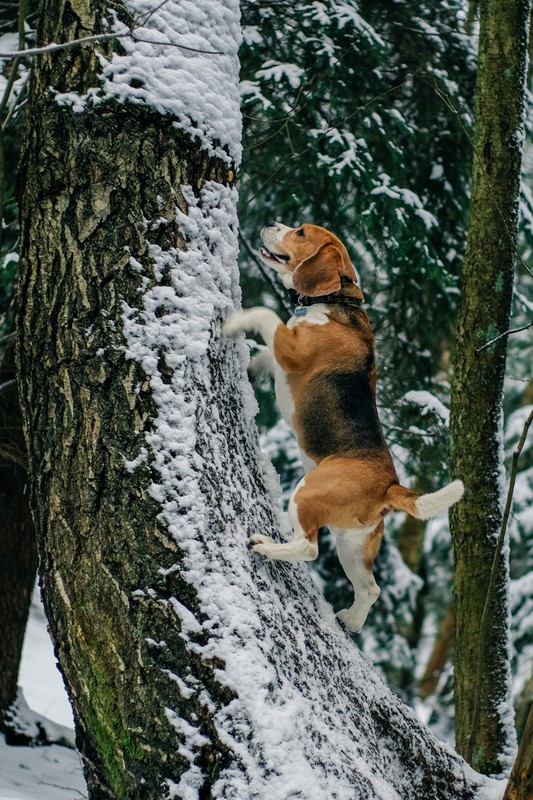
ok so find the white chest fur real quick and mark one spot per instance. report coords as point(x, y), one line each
point(314, 315)
point(283, 394)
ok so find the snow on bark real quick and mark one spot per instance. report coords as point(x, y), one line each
point(181, 61)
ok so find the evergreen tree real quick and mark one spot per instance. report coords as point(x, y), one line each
point(356, 116)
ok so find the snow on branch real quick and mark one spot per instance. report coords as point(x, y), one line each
point(179, 57)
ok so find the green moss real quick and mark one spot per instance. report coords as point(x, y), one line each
point(114, 746)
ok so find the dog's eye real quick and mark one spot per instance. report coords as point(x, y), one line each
point(300, 232)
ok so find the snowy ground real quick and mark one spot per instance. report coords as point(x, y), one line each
point(41, 773)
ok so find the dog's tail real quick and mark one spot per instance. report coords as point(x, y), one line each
point(424, 506)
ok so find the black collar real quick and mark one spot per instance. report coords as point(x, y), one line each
point(331, 299)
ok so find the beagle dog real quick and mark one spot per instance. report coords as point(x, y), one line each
point(325, 378)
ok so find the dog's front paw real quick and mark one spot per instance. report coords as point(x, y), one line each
point(262, 545)
point(233, 324)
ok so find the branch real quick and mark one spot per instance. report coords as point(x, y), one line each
point(502, 335)
point(7, 339)
point(102, 37)
point(7, 385)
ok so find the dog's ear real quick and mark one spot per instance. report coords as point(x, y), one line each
point(320, 273)
point(325, 272)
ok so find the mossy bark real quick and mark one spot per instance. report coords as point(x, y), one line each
point(483, 729)
point(91, 184)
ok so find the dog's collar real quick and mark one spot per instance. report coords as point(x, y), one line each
point(302, 300)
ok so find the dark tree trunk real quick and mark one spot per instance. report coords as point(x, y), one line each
point(18, 559)
point(484, 728)
point(107, 564)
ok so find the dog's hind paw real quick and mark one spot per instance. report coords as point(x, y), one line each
point(353, 620)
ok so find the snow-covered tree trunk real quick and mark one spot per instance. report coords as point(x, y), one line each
point(195, 670)
point(484, 725)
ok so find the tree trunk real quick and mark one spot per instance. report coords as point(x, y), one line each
point(520, 785)
point(194, 669)
point(484, 730)
point(18, 559)
point(523, 706)
point(440, 654)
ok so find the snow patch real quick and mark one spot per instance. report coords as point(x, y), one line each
point(183, 63)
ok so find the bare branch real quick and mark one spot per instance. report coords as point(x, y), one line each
point(7, 385)
point(179, 46)
point(151, 13)
point(50, 48)
point(7, 339)
point(502, 335)
point(102, 37)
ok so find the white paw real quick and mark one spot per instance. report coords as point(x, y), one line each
point(262, 545)
point(352, 619)
point(233, 324)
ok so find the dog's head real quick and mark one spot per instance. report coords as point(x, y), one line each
point(309, 259)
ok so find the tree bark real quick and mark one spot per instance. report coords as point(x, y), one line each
point(108, 566)
point(520, 784)
point(523, 706)
point(484, 729)
point(194, 669)
point(18, 558)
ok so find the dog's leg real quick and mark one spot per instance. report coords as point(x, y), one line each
point(288, 352)
point(304, 545)
point(356, 550)
point(263, 321)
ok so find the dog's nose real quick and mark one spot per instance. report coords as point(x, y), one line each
point(271, 223)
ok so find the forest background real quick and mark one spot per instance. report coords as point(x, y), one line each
point(360, 119)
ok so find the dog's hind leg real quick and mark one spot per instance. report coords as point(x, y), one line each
point(304, 545)
point(357, 549)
